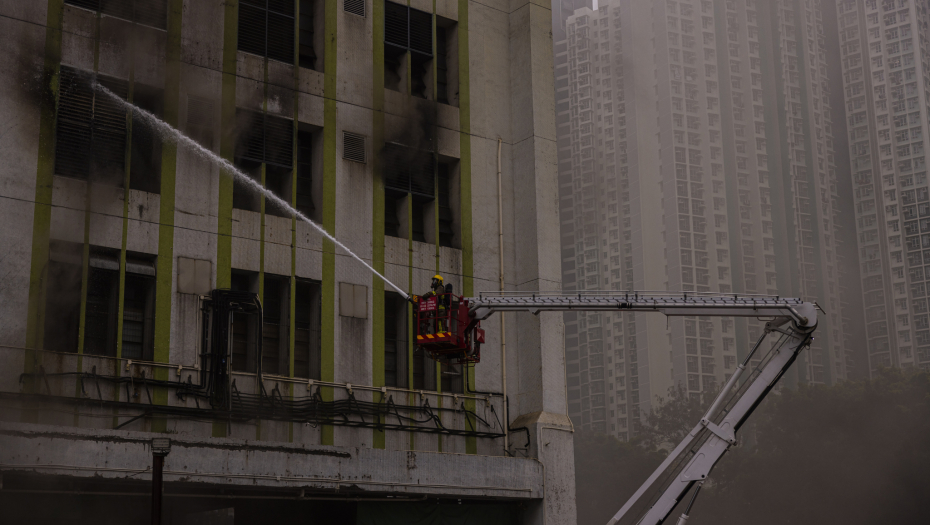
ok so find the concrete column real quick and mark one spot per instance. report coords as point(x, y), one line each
point(538, 395)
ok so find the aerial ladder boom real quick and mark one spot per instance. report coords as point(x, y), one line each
point(792, 324)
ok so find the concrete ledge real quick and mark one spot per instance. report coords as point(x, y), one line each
point(115, 454)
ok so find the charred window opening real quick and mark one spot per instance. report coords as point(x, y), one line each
point(63, 296)
point(442, 65)
point(265, 142)
point(391, 209)
point(91, 129)
point(395, 340)
point(447, 60)
point(266, 28)
point(304, 199)
point(146, 12)
point(306, 35)
point(244, 325)
point(447, 195)
point(275, 331)
point(408, 32)
point(138, 335)
point(408, 182)
point(200, 111)
point(145, 156)
point(101, 318)
point(307, 318)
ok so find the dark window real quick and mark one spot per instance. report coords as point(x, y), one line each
point(266, 28)
point(307, 330)
point(395, 340)
point(63, 297)
point(138, 314)
point(307, 53)
point(244, 325)
point(145, 156)
point(269, 140)
point(101, 304)
point(91, 131)
point(305, 172)
point(421, 208)
point(275, 332)
point(442, 65)
point(147, 12)
point(200, 120)
point(391, 217)
point(424, 370)
point(408, 170)
point(446, 216)
point(407, 29)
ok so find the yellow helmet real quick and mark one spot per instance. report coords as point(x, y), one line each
point(439, 277)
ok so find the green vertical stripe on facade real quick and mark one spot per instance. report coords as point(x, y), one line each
point(42, 212)
point(227, 151)
point(471, 443)
point(164, 274)
point(292, 296)
point(328, 324)
point(377, 212)
point(227, 144)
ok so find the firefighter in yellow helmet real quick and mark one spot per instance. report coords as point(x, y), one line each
point(437, 289)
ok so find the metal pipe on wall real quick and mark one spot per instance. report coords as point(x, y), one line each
point(500, 247)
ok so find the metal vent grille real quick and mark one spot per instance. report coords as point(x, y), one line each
point(267, 29)
point(147, 12)
point(395, 24)
point(421, 32)
point(91, 134)
point(353, 147)
point(265, 138)
point(355, 7)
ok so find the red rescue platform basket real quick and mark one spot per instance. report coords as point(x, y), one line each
point(446, 331)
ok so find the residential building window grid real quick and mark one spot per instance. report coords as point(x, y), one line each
point(722, 230)
point(884, 53)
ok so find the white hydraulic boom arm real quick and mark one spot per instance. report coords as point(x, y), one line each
point(690, 463)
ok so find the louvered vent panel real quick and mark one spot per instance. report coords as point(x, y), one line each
point(280, 38)
point(353, 147)
point(86, 4)
point(356, 7)
point(284, 7)
point(75, 108)
point(251, 29)
point(109, 132)
point(151, 13)
point(279, 141)
point(395, 24)
point(421, 32)
point(118, 8)
point(251, 143)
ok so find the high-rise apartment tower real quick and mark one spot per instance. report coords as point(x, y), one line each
point(698, 157)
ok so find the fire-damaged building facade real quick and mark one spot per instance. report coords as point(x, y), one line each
point(150, 290)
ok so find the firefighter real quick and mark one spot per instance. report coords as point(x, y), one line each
point(437, 290)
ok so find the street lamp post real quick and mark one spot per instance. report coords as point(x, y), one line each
point(160, 449)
